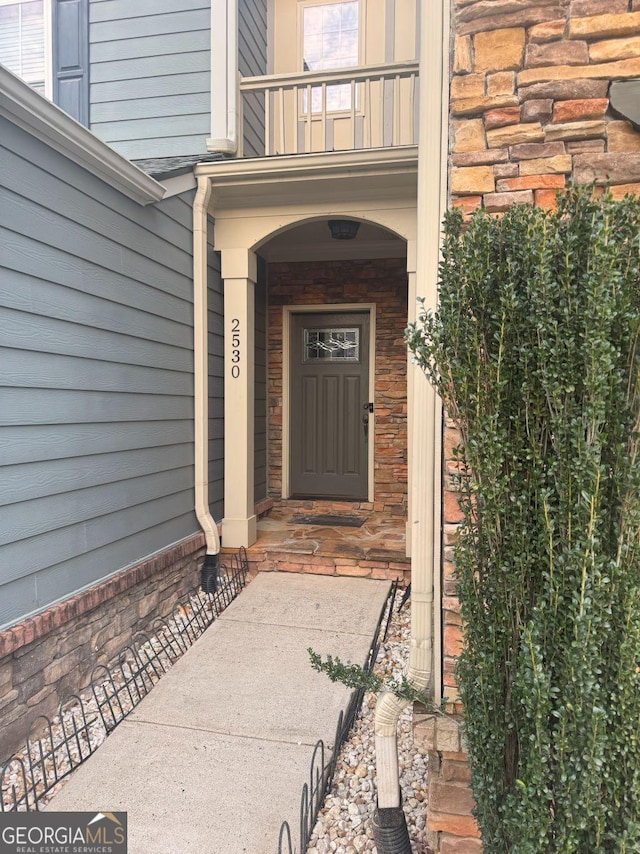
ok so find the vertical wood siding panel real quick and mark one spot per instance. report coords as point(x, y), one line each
point(252, 61)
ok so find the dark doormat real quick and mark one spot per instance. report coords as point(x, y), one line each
point(329, 520)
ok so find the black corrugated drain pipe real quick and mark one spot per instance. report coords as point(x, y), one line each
point(209, 574)
point(390, 832)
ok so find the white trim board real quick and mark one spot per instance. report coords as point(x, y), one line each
point(179, 184)
point(27, 109)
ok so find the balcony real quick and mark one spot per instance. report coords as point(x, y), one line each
point(362, 108)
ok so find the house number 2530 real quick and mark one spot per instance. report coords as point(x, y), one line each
point(235, 348)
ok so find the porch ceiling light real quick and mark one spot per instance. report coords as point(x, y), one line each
point(343, 229)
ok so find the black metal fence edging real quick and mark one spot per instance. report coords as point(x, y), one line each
point(56, 747)
point(321, 773)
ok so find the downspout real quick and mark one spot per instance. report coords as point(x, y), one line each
point(224, 77)
point(201, 386)
point(389, 824)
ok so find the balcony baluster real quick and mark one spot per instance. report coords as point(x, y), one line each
point(298, 119)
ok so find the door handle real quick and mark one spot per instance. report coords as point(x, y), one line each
point(365, 424)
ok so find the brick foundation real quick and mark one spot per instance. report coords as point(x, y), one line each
point(451, 827)
point(52, 654)
point(383, 282)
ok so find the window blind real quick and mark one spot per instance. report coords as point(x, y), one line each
point(22, 41)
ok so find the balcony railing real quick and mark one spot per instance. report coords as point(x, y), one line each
point(354, 108)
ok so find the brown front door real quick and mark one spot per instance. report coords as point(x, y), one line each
point(329, 405)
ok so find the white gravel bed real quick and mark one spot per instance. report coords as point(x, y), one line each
point(343, 824)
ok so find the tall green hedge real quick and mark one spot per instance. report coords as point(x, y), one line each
point(535, 351)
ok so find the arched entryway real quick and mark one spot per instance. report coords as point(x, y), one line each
point(336, 366)
point(279, 261)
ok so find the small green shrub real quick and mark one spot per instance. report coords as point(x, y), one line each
point(534, 349)
point(357, 677)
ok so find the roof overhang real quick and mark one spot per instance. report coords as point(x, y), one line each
point(286, 180)
point(27, 109)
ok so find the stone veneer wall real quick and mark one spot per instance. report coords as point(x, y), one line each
point(530, 99)
point(529, 111)
point(52, 654)
point(383, 282)
point(451, 828)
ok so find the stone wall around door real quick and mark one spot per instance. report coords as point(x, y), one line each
point(384, 283)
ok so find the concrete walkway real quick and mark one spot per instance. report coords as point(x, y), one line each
point(215, 757)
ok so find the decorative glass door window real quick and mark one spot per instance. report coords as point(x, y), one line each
point(22, 41)
point(332, 345)
point(330, 40)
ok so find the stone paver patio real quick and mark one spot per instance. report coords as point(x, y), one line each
point(375, 550)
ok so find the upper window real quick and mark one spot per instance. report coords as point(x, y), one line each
point(46, 42)
point(330, 35)
point(25, 38)
point(331, 39)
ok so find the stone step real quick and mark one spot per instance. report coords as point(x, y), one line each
point(378, 564)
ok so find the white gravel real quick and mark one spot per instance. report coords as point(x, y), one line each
point(343, 824)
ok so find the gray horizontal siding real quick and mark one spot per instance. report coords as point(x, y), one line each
point(28, 481)
point(253, 124)
point(85, 537)
point(252, 37)
point(153, 87)
point(96, 376)
point(119, 10)
point(76, 306)
point(108, 52)
point(138, 149)
point(169, 126)
point(165, 223)
point(24, 255)
point(32, 443)
point(216, 385)
point(157, 22)
point(63, 576)
point(148, 66)
point(32, 369)
point(252, 62)
point(53, 512)
point(145, 58)
point(81, 406)
point(26, 331)
point(152, 108)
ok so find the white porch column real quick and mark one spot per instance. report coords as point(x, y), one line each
point(239, 272)
point(426, 437)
